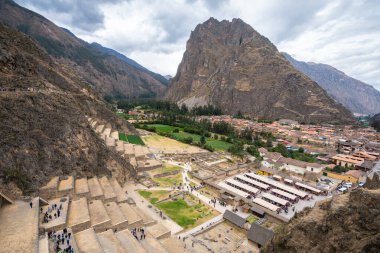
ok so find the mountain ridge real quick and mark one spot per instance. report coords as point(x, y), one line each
point(230, 65)
point(354, 94)
point(106, 73)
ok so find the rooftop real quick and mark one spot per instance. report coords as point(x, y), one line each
point(234, 218)
point(259, 234)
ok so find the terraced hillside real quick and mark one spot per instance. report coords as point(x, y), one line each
point(44, 129)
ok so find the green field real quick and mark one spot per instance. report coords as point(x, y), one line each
point(135, 139)
point(122, 137)
point(216, 144)
point(165, 168)
point(169, 181)
point(126, 115)
point(154, 196)
point(186, 215)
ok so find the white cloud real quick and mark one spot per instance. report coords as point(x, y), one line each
point(341, 33)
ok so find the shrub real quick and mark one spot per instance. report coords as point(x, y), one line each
point(18, 177)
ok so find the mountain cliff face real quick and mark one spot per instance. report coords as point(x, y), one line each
point(348, 223)
point(44, 131)
point(355, 95)
point(231, 66)
point(100, 69)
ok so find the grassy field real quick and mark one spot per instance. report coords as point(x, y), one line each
point(169, 181)
point(216, 144)
point(187, 215)
point(135, 139)
point(154, 196)
point(126, 115)
point(122, 137)
point(165, 168)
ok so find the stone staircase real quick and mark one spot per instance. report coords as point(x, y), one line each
point(110, 243)
point(95, 211)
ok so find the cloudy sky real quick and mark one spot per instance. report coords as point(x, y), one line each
point(342, 33)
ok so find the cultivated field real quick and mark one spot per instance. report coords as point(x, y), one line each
point(216, 144)
point(154, 196)
point(167, 145)
point(188, 212)
point(123, 137)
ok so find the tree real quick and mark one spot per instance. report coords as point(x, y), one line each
point(301, 150)
point(280, 148)
point(239, 115)
point(184, 109)
point(175, 130)
point(247, 134)
point(252, 150)
point(203, 140)
point(269, 143)
point(236, 149)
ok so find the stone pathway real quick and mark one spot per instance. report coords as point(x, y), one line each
point(203, 226)
point(19, 227)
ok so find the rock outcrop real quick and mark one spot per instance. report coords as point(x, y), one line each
point(355, 95)
point(103, 69)
point(231, 66)
point(347, 223)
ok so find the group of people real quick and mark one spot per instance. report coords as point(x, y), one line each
point(53, 212)
point(61, 241)
point(138, 233)
point(213, 201)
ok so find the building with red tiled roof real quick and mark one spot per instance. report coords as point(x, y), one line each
point(355, 173)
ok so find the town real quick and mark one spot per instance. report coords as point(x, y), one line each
point(189, 198)
point(189, 126)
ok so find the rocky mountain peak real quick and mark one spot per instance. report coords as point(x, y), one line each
point(230, 65)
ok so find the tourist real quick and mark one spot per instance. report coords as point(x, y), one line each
point(31, 204)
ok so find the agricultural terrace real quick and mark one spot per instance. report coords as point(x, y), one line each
point(168, 145)
point(169, 180)
point(181, 134)
point(154, 196)
point(188, 212)
point(123, 137)
point(126, 115)
point(133, 139)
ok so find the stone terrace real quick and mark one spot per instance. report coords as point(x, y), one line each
point(97, 223)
